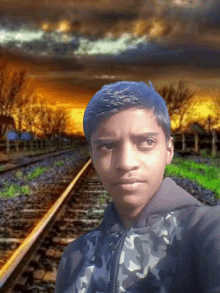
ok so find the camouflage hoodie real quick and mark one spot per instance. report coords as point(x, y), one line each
point(173, 246)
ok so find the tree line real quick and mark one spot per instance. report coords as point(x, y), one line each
point(29, 110)
point(180, 101)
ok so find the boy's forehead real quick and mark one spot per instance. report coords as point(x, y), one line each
point(111, 125)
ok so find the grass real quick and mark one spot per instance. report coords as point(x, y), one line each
point(36, 173)
point(204, 154)
point(58, 163)
point(206, 176)
point(14, 190)
point(19, 174)
point(2, 167)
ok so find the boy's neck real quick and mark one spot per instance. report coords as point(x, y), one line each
point(128, 216)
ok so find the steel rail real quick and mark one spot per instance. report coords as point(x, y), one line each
point(14, 261)
point(36, 159)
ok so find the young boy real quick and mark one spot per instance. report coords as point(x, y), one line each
point(155, 236)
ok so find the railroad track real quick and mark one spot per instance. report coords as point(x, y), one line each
point(20, 220)
point(33, 265)
point(26, 160)
point(19, 215)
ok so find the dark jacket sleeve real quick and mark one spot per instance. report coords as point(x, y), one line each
point(69, 267)
point(60, 275)
point(206, 247)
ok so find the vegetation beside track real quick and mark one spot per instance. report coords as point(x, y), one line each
point(59, 163)
point(204, 175)
point(17, 190)
point(14, 190)
point(22, 187)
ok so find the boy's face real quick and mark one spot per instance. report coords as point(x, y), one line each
point(122, 150)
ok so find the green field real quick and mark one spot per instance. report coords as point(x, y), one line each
point(204, 175)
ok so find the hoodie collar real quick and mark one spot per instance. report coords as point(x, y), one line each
point(168, 197)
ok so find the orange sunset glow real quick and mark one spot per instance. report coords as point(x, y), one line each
point(74, 98)
point(75, 102)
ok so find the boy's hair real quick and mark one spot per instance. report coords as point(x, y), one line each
point(122, 95)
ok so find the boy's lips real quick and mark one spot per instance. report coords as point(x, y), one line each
point(128, 181)
point(129, 185)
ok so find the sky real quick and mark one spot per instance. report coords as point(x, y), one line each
point(71, 50)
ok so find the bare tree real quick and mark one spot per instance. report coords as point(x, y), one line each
point(6, 123)
point(29, 111)
point(178, 100)
point(192, 111)
point(51, 121)
point(216, 119)
point(61, 121)
point(12, 83)
point(23, 105)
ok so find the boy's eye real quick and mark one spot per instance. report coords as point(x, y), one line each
point(110, 146)
point(106, 146)
point(149, 140)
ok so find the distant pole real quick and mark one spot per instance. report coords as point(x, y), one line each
point(209, 119)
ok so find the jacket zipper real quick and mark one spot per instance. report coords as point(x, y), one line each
point(114, 270)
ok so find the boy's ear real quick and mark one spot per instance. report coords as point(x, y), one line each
point(170, 149)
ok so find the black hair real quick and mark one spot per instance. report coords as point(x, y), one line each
point(118, 96)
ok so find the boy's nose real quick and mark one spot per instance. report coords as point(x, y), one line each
point(127, 159)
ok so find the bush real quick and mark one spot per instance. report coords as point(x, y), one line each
point(204, 153)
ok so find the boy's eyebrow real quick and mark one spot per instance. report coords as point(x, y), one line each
point(146, 134)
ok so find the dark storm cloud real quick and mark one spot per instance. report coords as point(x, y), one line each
point(188, 51)
point(206, 12)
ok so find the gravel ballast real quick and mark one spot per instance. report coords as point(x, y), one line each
point(71, 159)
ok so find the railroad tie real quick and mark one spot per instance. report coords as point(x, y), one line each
point(77, 211)
point(21, 281)
point(39, 274)
point(42, 275)
point(50, 277)
point(62, 241)
point(11, 240)
point(62, 228)
point(87, 221)
point(53, 253)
